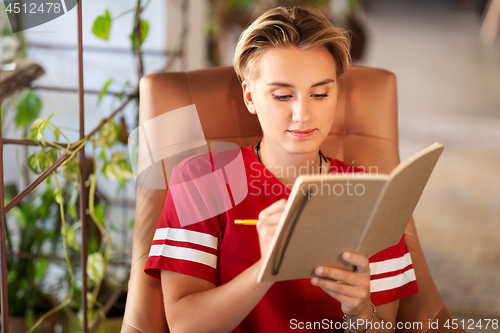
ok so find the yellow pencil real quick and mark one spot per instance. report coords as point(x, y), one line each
point(246, 222)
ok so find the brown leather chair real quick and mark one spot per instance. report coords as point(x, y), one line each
point(364, 133)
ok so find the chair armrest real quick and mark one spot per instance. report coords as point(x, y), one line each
point(426, 305)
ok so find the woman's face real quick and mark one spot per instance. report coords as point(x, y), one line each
point(294, 97)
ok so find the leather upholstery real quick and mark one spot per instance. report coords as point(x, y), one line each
point(364, 133)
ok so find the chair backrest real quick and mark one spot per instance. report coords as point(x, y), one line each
point(364, 133)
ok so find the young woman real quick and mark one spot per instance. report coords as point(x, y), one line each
point(289, 61)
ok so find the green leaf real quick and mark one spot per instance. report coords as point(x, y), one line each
point(118, 168)
point(99, 212)
point(34, 128)
point(46, 158)
point(19, 216)
point(117, 157)
point(72, 211)
point(108, 134)
point(71, 169)
point(95, 267)
point(33, 163)
point(43, 124)
point(28, 108)
point(71, 239)
point(72, 203)
point(137, 42)
point(58, 197)
point(42, 204)
point(41, 267)
point(102, 155)
point(103, 90)
point(92, 245)
point(102, 26)
point(56, 132)
point(11, 276)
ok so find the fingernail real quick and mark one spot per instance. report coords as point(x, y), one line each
point(319, 271)
point(347, 255)
point(314, 281)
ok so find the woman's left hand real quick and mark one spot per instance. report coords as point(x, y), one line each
point(352, 289)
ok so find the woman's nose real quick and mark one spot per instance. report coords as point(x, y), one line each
point(301, 111)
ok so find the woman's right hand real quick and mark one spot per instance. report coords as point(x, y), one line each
point(266, 227)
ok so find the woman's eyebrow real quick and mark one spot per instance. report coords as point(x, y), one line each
point(287, 85)
point(323, 82)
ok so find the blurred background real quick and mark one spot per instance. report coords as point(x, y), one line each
point(447, 63)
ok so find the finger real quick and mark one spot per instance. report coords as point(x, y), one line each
point(269, 220)
point(340, 275)
point(362, 264)
point(275, 207)
point(273, 210)
point(337, 280)
point(336, 289)
point(351, 297)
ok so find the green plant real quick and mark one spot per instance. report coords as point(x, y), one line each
point(114, 167)
point(60, 191)
point(51, 216)
point(26, 278)
point(102, 28)
point(33, 236)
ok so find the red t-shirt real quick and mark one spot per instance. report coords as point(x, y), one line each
point(218, 250)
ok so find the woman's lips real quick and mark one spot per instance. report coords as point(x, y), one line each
point(302, 134)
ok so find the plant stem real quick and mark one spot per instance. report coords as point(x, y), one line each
point(24, 169)
point(91, 212)
point(130, 10)
point(122, 14)
point(68, 261)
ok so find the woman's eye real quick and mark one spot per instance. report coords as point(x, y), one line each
point(282, 97)
point(320, 96)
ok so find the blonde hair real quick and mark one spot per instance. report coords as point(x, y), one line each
point(282, 27)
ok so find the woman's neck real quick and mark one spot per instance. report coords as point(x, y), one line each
point(286, 167)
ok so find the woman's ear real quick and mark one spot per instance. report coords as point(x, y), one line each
point(248, 97)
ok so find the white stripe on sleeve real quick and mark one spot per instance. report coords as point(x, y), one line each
point(390, 265)
point(392, 282)
point(183, 235)
point(184, 253)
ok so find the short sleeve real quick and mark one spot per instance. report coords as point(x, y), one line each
point(191, 249)
point(392, 274)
